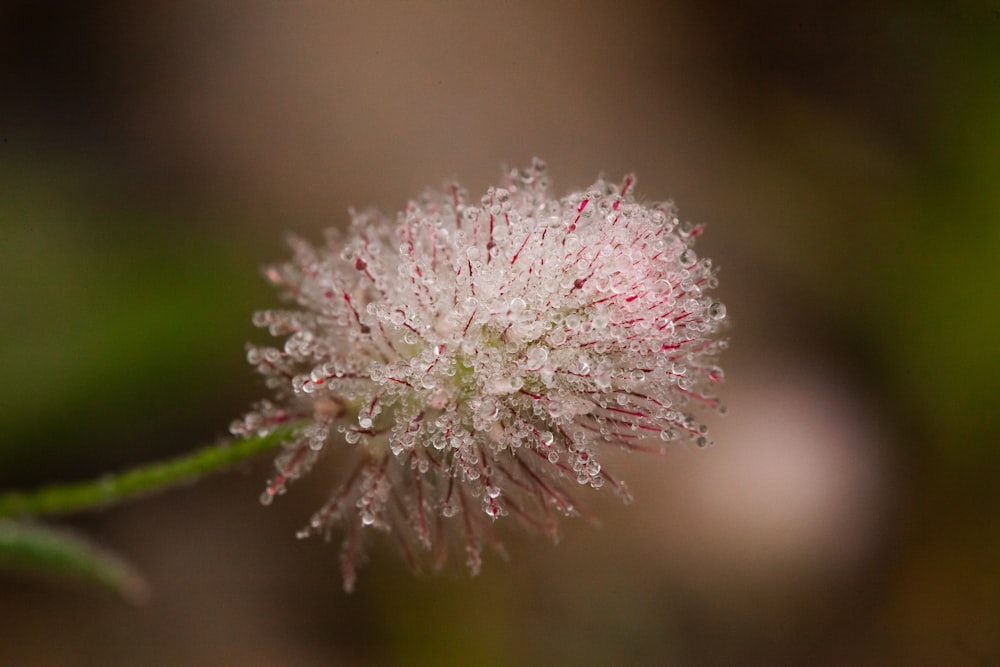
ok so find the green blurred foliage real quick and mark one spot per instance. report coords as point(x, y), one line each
point(939, 261)
point(119, 328)
point(893, 241)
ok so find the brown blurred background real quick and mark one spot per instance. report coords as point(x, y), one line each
point(844, 156)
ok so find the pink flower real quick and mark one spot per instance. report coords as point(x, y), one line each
point(474, 360)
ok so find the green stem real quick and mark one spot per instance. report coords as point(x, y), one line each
point(115, 488)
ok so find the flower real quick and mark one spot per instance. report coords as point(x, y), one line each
point(477, 359)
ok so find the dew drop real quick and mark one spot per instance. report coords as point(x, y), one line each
point(536, 358)
point(717, 311)
point(487, 409)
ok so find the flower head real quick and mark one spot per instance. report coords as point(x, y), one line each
point(475, 359)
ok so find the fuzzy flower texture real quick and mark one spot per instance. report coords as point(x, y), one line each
point(472, 360)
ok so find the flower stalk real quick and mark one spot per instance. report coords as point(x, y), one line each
point(137, 482)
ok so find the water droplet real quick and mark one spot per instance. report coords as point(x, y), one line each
point(536, 358)
point(487, 409)
point(717, 311)
point(491, 508)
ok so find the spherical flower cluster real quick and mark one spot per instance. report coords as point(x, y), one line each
point(474, 359)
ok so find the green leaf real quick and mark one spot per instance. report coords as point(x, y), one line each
point(48, 551)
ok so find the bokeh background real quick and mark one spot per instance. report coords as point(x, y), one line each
point(844, 157)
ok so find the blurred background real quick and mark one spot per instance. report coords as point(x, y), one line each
point(844, 157)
